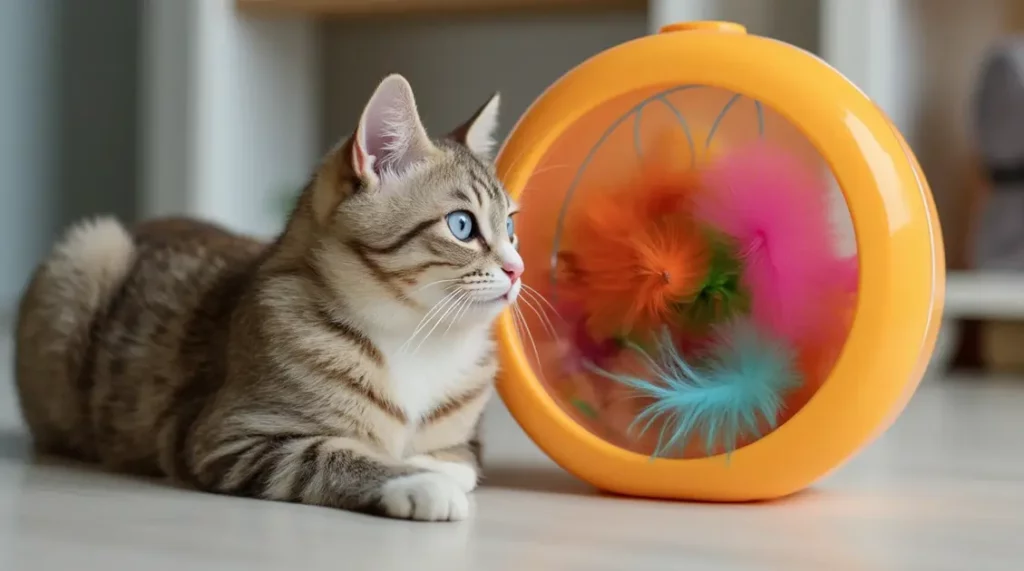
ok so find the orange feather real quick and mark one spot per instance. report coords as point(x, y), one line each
point(634, 254)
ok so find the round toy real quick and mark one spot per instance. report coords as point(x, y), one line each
point(694, 323)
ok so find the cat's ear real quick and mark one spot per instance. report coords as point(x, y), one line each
point(477, 133)
point(388, 140)
point(390, 137)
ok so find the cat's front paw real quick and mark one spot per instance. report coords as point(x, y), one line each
point(463, 474)
point(428, 496)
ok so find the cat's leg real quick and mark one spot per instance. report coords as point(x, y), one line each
point(331, 471)
point(462, 463)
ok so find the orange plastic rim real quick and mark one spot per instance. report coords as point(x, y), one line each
point(898, 242)
point(711, 25)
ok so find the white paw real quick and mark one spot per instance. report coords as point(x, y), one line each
point(463, 474)
point(429, 496)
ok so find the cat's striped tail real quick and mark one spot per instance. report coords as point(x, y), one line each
point(67, 293)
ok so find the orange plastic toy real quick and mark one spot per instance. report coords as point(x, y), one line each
point(663, 104)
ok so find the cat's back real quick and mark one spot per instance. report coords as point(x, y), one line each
point(177, 260)
point(186, 276)
point(112, 323)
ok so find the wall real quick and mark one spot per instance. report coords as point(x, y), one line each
point(454, 64)
point(97, 106)
point(230, 113)
point(27, 137)
point(67, 123)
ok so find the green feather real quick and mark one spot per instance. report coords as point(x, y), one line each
point(722, 295)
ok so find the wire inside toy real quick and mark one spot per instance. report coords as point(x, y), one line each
point(699, 295)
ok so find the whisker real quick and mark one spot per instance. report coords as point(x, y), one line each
point(540, 296)
point(516, 322)
point(425, 320)
point(458, 300)
point(531, 302)
point(425, 286)
point(546, 169)
point(435, 308)
point(533, 344)
point(515, 161)
point(459, 313)
point(543, 318)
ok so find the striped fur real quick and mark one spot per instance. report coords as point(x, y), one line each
point(287, 371)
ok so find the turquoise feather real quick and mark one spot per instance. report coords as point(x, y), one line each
point(744, 379)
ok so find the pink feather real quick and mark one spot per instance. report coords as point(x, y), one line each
point(776, 209)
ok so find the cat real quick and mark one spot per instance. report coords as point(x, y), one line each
point(345, 364)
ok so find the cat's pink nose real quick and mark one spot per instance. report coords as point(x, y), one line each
point(513, 270)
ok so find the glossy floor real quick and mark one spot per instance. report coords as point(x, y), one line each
point(943, 490)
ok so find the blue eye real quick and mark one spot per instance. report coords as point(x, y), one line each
point(510, 227)
point(461, 224)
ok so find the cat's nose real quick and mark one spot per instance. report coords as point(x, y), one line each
point(513, 269)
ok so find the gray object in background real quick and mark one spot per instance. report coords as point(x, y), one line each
point(999, 134)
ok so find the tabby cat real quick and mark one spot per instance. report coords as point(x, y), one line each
point(346, 364)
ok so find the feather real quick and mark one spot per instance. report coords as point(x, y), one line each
point(777, 212)
point(635, 254)
point(726, 399)
point(721, 295)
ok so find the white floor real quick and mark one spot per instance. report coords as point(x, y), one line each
point(943, 490)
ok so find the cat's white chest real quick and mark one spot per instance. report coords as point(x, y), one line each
point(420, 379)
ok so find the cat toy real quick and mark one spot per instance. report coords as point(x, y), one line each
point(712, 334)
point(749, 245)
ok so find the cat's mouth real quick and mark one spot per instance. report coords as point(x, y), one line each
point(501, 299)
point(506, 297)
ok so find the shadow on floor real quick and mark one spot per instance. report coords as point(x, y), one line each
point(540, 479)
point(15, 445)
point(534, 479)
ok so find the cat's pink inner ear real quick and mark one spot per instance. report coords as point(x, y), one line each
point(362, 162)
point(390, 137)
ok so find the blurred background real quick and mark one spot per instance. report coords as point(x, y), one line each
point(219, 108)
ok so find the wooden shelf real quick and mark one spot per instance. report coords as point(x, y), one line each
point(342, 8)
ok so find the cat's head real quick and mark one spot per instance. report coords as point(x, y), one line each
point(407, 223)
